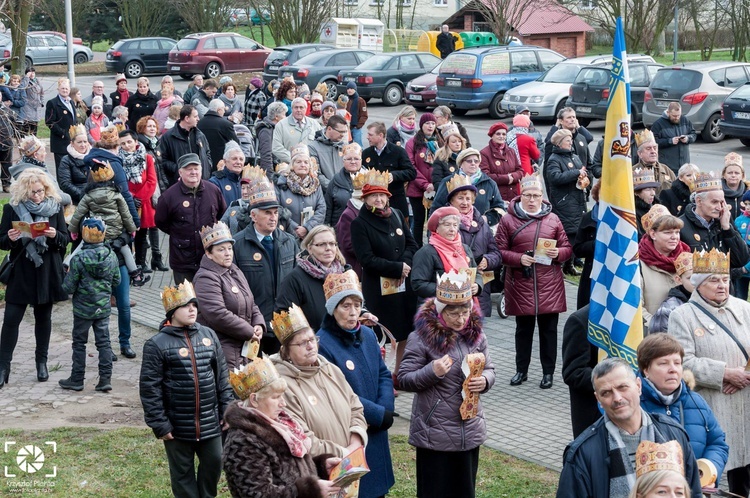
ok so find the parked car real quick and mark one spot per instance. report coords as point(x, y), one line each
point(243, 17)
point(286, 55)
point(589, 93)
point(76, 40)
point(136, 56)
point(215, 53)
point(700, 88)
point(477, 78)
point(384, 76)
point(735, 115)
point(421, 91)
point(46, 49)
point(324, 66)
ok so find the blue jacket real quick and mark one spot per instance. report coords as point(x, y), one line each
point(228, 183)
point(121, 181)
point(692, 412)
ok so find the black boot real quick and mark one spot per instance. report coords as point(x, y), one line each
point(145, 269)
point(71, 383)
point(569, 269)
point(156, 262)
point(42, 375)
point(138, 279)
point(104, 385)
point(4, 374)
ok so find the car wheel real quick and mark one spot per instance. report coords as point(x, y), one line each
point(393, 95)
point(501, 305)
point(333, 91)
point(133, 69)
point(80, 58)
point(712, 131)
point(745, 141)
point(496, 112)
point(459, 112)
point(186, 76)
point(635, 116)
point(28, 62)
point(213, 70)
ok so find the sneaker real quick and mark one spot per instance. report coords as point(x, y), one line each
point(71, 384)
point(104, 385)
point(138, 279)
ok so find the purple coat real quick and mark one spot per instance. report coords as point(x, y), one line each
point(344, 236)
point(480, 240)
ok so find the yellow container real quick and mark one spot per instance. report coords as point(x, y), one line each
point(428, 39)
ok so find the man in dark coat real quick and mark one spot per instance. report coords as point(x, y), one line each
point(648, 159)
point(567, 120)
point(674, 133)
point(183, 138)
point(217, 129)
point(600, 463)
point(579, 358)
point(445, 42)
point(384, 156)
point(59, 116)
point(185, 208)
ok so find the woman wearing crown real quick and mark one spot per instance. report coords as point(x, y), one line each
point(447, 431)
point(659, 471)
point(713, 330)
point(644, 188)
point(300, 192)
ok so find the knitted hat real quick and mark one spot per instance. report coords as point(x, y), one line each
point(232, 145)
point(351, 86)
point(746, 197)
point(471, 151)
point(439, 214)
point(316, 97)
point(495, 127)
point(120, 77)
point(449, 130)
point(522, 121)
point(97, 102)
point(427, 117)
point(257, 82)
point(326, 105)
point(339, 286)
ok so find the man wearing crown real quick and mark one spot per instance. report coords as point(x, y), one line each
point(648, 159)
point(674, 133)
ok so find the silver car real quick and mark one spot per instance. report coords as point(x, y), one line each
point(46, 49)
point(700, 88)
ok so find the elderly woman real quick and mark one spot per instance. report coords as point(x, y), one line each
point(534, 285)
point(266, 452)
point(444, 164)
point(644, 189)
point(232, 103)
point(340, 189)
point(226, 303)
point(353, 347)
point(666, 392)
point(36, 273)
point(31, 113)
point(141, 103)
point(300, 192)
point(161, 111)
point(73, 173)
point(404, 126)
point(500, 162)
point(384, 247)
point(733, 182)
point(678, 196)
point(444, 119)
point(712, 329)
point(448, 328)
point(33, 155)
point(567, 185)
point(264, 131)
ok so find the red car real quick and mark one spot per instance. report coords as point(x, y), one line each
point(215, 53)
point(421, 91)
point(76, 40)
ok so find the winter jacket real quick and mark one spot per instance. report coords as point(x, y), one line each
point(528, 152)
point(329, 157)
point(32, 111)
point(442, 169)
point(274, 472)
point(656, 284)
point(228, 183)
point(581, 140)
point(73, 176)
point(144, 192)
point(17, 100)
point(237, 216)
point(358, 356)
point(26, 163)
point(583, 247)
point(664, 176)
point(692, 412)
point(92, 275)
point(445, 44)
point(338, 193)
point(675, 198)
point(116, 100)
point(181, 213)
point(427, 266)
point(344, 235)
point(489, 202)
point(108, 204)
point(218, 131)
point(232, 105)
point(480, 239)
point(200, 101)
point(264, 131)
point(296, 203)
point(394, 160)
point(664, 131)
point(184, 383)
point(106, 106)
point(361, 112)
point(568, 201)
point(660, 321)
point(306, 291)
point(58, 118)
point(329, 422)
point(289, 133)
point(140, 105)
point(498, 163)
point(94, 127)
point(395, 137)
point(177, 142)
point(585, 472)
point(734, 198)
point(694, 234)
point(121, 181)
point(420, 158)
point(436, 422)
point(544, 291)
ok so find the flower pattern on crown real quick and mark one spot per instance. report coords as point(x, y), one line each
point(711, 262)
point(706, 182)
point(656, 212)
point(683, 263)
point(211, 235)
point(449, 130)
point(652, 456)
point(103, 172)
point(733, 159)
point(252, 377)
point(643, 175)
point(286, 323)
point(175, 296)
point(339, 282)
point(371, 177)
point(644, 137)
point(454, 287)
point(531, 181)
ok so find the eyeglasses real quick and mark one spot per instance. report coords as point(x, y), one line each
point(472, 161)
point(36, 192)
point(332, 245)
point(457, 315)
point(534, 197)
point(304, 344)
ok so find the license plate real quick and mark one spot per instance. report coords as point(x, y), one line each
point(453, 83)
point(583, 109)
point(512, 107)
point(350, 78)
point(175, 68)
point(415, 97)
point(286, 74)
point(741, 115)
point(273, 68)
point(661, 103)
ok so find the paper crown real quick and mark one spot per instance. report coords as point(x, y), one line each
point(454, 287)
point(299, 150)
point(29, 145)
point(93, 230)
point(706, 182)
point(652, 456)
point(351, 148)
point(216, 234)
point(458, 183)
point(733, 159)
point(644, 178)
point(683, 262)
point(175, 296)
point(449, 130)
point(340, 282)
point(103, 172)
point(110, 135)
point(286, 323)
point(252, 377)
point(252, 174)
point(656, 212)
point(76, 130)
point(531, 182)
point(711, 262)
point(262, 192)
point(322, 88)
point(643, 137)
point(371, 177)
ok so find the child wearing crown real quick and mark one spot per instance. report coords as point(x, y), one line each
point(92, 276)
point(185, 391)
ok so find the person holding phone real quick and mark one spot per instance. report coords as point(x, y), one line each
point(674, 133)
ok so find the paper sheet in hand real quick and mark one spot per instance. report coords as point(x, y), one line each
point(250, 349)
point(540, 253)
point(32, 230)
point(472, 366)
point(351, 468)
point(390, 286)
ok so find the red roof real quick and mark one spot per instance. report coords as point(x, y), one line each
point(544, 17)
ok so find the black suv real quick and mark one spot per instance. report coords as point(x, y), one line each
point(136, 56)
point(289, 54)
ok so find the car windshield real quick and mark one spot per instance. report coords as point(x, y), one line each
point(676, 81)
point(278, 56)
point(118, 44)
point(742, 92)
point(561, 73)
point(375, 62)
point(459, 63)
point(187, 44)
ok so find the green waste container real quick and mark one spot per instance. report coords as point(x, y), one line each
point(489, 38)
point(472, 39)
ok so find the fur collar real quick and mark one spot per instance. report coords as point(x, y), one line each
point(244, 420)
point(440, 338)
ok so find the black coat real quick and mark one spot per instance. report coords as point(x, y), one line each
point(664, 131)
point(218, 132)
point(561, 174)
point(676, 198)
point(382, 246)
point(58, 119)
point(581, 140)
point(116, 99)
point(428, 265)
point(446, 44)
point(641, 208)
point(734, 198)
point(697, 237)
point(28, 284)
point(184, 383)
point(338, 193)
point(140, 105)
point(72, 175)
point(394, 159)
point(306, 291)
point(441, 170)
point(579, 357)
point(583, 247)
point(177, 142)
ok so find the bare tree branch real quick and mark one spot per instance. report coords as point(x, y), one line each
point(143, 17)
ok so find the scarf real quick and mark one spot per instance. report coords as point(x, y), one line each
point(31, 212)
point(668, 399)
point(475, 177)
point(380, 213)
point(499, 150)
point(354, 109)
point(163, 103)
point(289, 430)
point(35, 162)
point(466, 219)
point(134, 164)
point(652, 257)
point(432, 145)
point(312, 266)
point(405, 131)
point(622, 472)
point(302, 186)
point(77, 155)
point(123, 96)
point(152, 141)
point(451, 252)
point(288, 104)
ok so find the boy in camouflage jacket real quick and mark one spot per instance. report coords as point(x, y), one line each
point(93, 273)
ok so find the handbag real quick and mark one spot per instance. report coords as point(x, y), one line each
point(6, 267)
point(724, 327)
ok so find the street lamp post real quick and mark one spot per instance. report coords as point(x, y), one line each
point(69, 41)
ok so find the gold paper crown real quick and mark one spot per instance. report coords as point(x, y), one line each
point(287, 323)
point(371, 177)
point(103, 173)
point(644, 137)
point(531, 181)
point(454, 287)
point(262, 191)
point(299, 150)
point(642, 176)
point(457, 181)
point(93, 235)
point(339, 282)
point(652, 456)
point(706, 182)
point(322, 88)
point(253, 377)
point(683, 262)
point(733, 159)
point(252, 174)
point(352, 147)
point(76, 130)
point(712, 262)
point(175, 296)
point(656, 212)
point(215, 234)
point(111, 134)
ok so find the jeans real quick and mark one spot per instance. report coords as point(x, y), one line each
point(357, 135)
point(122, 296)
point(81, 328)
point(42, 331)
point(181, 457)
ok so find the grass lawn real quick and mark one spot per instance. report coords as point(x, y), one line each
point(130, 462)
point(666, 59)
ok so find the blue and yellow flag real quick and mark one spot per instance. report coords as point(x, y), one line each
point(615, 321)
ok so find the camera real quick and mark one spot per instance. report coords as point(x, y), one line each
point(527, 270)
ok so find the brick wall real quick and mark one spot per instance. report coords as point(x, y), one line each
point(568, 44)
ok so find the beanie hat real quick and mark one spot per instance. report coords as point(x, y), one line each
point(522, 121)
point(120, 77)
point(97, 102)
point(426, 118)
point(351, 86)
point(559, 135)
point(746, 197)
point(232, 145)
point(495, 127)
point(257, 82)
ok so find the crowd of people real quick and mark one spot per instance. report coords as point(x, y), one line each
point(294, 253)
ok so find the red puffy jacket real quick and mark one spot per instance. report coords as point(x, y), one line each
point(498, 163)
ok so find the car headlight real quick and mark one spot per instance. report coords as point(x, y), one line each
point(432, 88)
point(536, 99)
point(506, 96)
